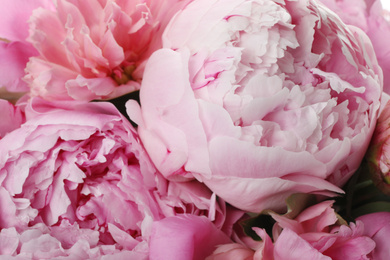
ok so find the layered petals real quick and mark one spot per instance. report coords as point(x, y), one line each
point(94, 50)
point(249, 90)
point(79, 171)
point(316, 233)
point(369, 16)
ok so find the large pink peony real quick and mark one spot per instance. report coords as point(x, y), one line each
point(369, 16)
point(76, 175)
point(259, 100)
point(316, 233)
point(14, 49)
point(94, 49)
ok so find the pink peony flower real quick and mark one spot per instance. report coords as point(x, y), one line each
point(369, 16)
point(316, 233)
point(377, 226)
point(95, 50)
point(14, 49)
point(259, 100)
point(81, 172)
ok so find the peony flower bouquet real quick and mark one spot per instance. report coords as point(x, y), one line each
point(194, 129)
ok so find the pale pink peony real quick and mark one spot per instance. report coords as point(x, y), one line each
point(369, 16)
point(95, 49)
point(377, 226)
point(81, 170)
point(259, 100)
point(316, 233)
point(14, 49)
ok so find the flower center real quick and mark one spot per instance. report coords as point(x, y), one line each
point(122, 76)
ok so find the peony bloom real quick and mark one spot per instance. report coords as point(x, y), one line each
point(259, 100)
point(369, 16)
point(377, 226)
point(95, 50)
point(81, 172)
point(14, 49)
point(378, 153)
point(316, 233)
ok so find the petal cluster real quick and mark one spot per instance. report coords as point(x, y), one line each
point(315, 233)
point(94, 50)
point(369, 16)
point(75, 179)
point(259, 100)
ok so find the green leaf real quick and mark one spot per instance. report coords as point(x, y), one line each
point(377, 206)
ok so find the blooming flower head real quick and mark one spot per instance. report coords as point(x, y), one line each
point(316, 233)
point(94, 50)
point(81, 172)
point(259, 99)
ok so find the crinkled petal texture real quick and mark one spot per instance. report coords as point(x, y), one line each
point(369, 16)
point(80, 171)
point(259, 99)
point(95, 49)
point(316, 233)
point(14, 49)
